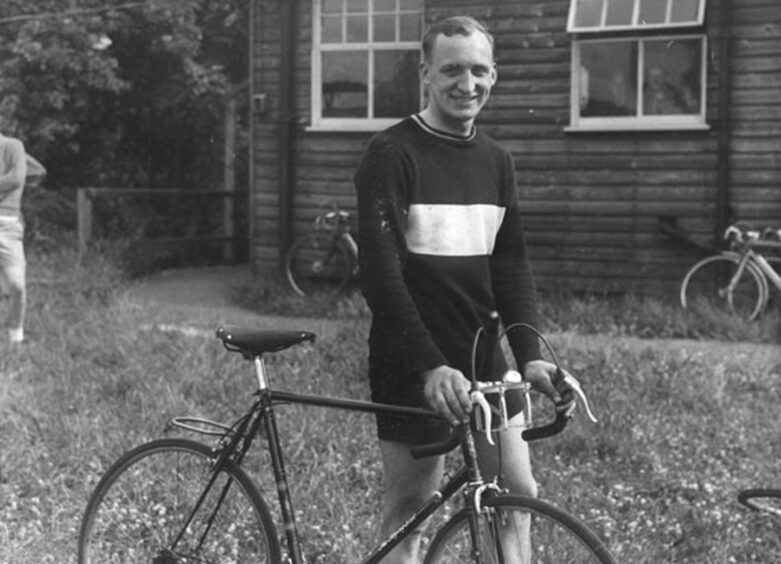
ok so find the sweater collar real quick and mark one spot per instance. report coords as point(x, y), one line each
point(443, 134)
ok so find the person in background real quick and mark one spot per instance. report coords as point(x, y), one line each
point(13, 265)
point(442, 249)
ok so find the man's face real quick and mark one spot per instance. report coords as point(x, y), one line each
point(459, 77)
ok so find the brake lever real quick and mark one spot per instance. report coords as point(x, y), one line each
point(478, 398)
point(570, 381)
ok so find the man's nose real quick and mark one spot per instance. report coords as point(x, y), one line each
point(467, 82)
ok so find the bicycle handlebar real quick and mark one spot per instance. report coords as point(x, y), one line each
point(743, 234)
point(482, 414)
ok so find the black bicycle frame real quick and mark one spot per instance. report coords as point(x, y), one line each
point(269, 398)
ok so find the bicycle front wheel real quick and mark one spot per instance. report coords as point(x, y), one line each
point(159, 503)
point(516, 529)
point(317, 264)
point(762, 499)
point(709, 285)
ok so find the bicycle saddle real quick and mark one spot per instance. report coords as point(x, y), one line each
point(256, 342)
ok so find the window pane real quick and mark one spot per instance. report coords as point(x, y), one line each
point(396, 88)
point(345, 82)
point(357, 29)
point(332, 29)
point(685, 11)
point(409, 27)
point(384, 28)
point(619, 12)
point(332, 6)
point(588, 13)
point(384, 5)
point(608, 78)
point(358, 6)
point(652, 12)
point(672, 77)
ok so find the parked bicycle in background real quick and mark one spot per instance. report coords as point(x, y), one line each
point(323, 262)
point(739, 279)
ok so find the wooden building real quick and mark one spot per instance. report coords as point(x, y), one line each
point(606, 168)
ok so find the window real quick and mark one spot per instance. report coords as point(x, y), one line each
point(642, 78)
point(365, 62)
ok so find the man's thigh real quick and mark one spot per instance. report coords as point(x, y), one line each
point(408, 480)
point(507, 458)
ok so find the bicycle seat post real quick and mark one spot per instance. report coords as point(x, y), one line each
point(260, 372)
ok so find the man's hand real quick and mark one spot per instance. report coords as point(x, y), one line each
point(544, 377)
point(447, 392)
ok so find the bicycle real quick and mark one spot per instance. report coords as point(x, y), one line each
point(738, 279)
point(175, 500)
point(323, 262)
point(767, 500)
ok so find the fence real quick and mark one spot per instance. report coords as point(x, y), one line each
point(85, 211)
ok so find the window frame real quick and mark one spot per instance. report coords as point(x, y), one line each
point(634, 26)
point(320, 123)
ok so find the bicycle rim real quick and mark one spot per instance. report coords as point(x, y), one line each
point(764, 500)
point(141, 507)
point(316, 264)
point(706, 287)
point(515, 530)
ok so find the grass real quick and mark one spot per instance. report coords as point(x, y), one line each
point(682, 425)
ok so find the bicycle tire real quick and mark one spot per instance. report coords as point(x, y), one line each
point(706, 285)
point(766, 500)
point(555, 536)
point(317, 264)
point(139, 507)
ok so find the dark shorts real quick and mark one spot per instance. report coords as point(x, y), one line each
point(423, 430)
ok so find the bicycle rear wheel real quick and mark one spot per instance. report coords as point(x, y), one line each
point(706, 286)
point(517, 529)
point(762, 499)
point(139, 510)
point(316, 264)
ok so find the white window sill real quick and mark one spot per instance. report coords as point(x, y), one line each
point(639, 125)
point(357, 125)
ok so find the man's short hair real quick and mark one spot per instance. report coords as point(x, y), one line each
point(455, 25)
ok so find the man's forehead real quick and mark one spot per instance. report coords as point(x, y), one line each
point(475, 46)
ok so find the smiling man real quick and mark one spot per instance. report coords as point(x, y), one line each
point(442, 248)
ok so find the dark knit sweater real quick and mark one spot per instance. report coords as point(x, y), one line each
point(441, 248)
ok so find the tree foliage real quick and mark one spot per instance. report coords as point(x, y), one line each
point(122, 92)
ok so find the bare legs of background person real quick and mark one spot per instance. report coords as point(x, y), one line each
point(12, 282)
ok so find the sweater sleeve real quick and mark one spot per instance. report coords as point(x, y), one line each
point(383, 181)
point(512, 279)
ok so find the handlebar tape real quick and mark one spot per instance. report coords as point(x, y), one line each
point(554, 428)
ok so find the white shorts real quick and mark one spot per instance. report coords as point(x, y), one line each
point(12, 259)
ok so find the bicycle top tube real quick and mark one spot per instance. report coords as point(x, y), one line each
point(252, 344)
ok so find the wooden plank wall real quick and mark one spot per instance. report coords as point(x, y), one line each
point(592, 200)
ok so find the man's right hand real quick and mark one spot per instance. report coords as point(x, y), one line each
point(447, 392)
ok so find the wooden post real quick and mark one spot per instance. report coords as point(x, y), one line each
point(84, 218)
point(229, 203)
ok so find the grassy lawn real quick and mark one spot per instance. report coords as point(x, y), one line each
point(683, 425)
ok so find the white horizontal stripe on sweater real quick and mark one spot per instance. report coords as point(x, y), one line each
point(453, 230)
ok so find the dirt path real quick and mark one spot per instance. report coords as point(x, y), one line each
point(198, 300)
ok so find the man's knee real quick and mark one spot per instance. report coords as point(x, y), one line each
point(13, 280)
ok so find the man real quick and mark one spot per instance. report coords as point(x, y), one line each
point(442, 248)
point(13, 171)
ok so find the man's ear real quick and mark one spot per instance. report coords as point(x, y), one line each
point(494, 74)
point(423, 71)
